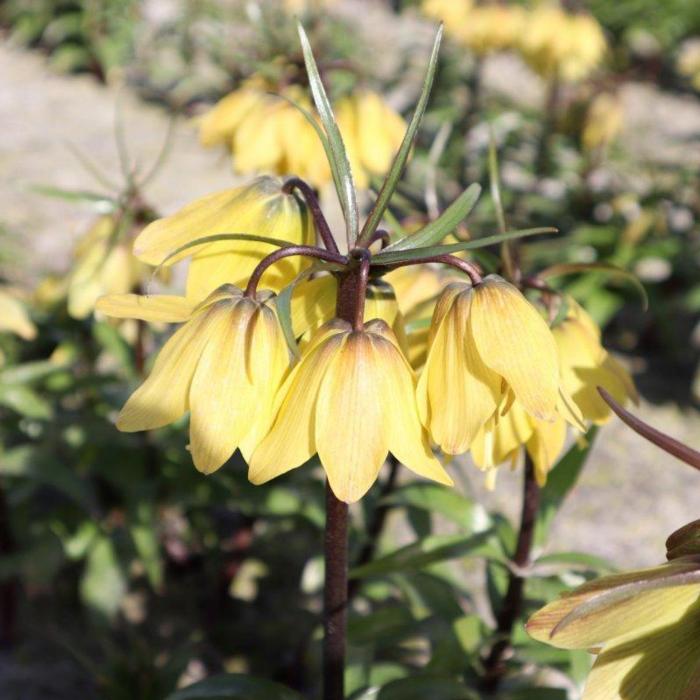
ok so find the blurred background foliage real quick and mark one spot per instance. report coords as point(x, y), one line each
point(128, 574)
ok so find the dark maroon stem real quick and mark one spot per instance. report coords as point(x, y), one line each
point(324, 230)
point(469, 269)
point(335, 597)
point(665, 442)
point(380, 235)
point(511, 608)
point(307, 250)
point(9, 588)
point(352, 283)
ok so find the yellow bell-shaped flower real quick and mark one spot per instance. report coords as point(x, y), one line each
point(642, 625)
point(351, 399)
point(103, 264)
point(585, 365)
point(261, 208)
point(224, 366)
point(603, 122)
point(486, 340)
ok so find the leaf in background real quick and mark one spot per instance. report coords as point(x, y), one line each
point(391, 257)
point(101, 202)
point(144, 533)
point(29, 372)
point(422, 687)
point(346, 189)
point(399, 162)
point(103, 584)
point(607, 268)
point(468, 514)
point(233, 686)
point(25, 401)
point(430, 550)
point(447, 222)
point(570, 561)
point(559, 482)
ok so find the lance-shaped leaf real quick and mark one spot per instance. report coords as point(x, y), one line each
point(399, 162)
point(103, 203)
point(393, 257)
point(447, 222)
point(345, 186)
point(562, 269)
point(684, 542)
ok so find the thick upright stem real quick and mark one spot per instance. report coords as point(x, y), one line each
point(494, 664)
point(349, 305)
point(335, 597)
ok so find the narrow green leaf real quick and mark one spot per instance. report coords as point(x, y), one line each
point(570, 561)
point(431, 550)
point(391, 257)
point(560, 481)
point(103, 202)
point(234, 686)
point(447, 222)
point(468, 514)
point(421, 687)
point(25, 401)
point(399, 162)
point(278, 242)
point(571, 268)
point(346, 191)
point(495, 185)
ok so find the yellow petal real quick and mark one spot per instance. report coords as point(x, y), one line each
point(219, 123)
point(157, 307)
point(222, 396)
point(407, 439)
point(545, 446)
point(313, 304)
point(660, 664)
point(457, 392)
point(637, 613)
point(515, 342)
point(164, 396)
point(351, 435)
point(500, 437)
point(291, 440)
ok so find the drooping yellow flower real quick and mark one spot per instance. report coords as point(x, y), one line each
point(486, 341)
point(583, 366)
point(604, 120)
point(268, 134)
point(557, 44)
point(223, 365)
point(351, 399)
point(642, 625)
point(13, 315)
point(261, 208)
point(103, 265)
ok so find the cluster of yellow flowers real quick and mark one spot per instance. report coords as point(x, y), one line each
point(267, 133)
point(553, 42)
point(493, 375)
point(603, 122)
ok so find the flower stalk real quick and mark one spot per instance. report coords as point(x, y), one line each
point(511, 608)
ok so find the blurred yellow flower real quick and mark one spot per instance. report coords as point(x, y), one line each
point(14, 317)
point(603, 121)
point(642, 626)
point(487, 343)
point(223, 365)
point(103, 264)
point(557, 44)
point(688, 62)
point(482, 28)
point(261, 208)
point(268, 134)
point(351, 399)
